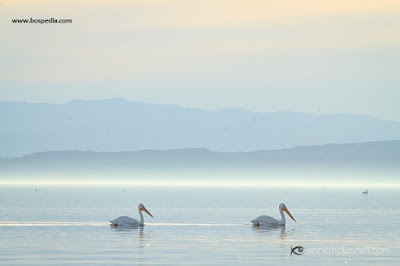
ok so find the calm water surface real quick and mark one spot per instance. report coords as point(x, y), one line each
point(69, 225)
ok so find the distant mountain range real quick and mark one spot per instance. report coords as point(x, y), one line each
point(378, 157)
point(116, 125)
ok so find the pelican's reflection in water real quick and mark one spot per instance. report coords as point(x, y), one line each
point(143, 236)
point(270, 229)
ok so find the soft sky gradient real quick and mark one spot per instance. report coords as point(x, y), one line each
point(314, 56)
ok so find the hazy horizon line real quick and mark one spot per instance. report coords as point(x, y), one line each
point(197, 108)
point(203, 184)
point(201, 148)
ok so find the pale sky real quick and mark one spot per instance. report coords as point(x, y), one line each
point(313, 56)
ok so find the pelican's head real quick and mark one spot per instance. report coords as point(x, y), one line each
point(282, 207)
point(141, 207)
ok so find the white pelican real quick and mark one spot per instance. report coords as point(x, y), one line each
point(268, 220)
point(128, 221)
point(365, 192)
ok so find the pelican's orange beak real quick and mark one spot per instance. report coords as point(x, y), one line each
point(288, 212)
point(146, 211)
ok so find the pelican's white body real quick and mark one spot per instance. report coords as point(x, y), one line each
point(128, 221)
point(268, 220)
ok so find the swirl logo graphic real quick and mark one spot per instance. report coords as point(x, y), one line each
point(297, 250)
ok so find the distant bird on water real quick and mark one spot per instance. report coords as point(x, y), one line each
point(365, 192)
point(128, 221)
point(268, 220)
